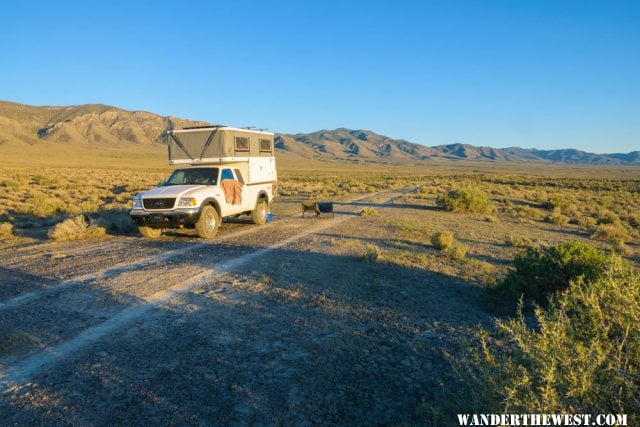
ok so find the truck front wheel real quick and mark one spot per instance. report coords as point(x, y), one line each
point(150, 232)
point(208, 223)
point(259, 214)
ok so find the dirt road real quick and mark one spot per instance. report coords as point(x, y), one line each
point(260, 325)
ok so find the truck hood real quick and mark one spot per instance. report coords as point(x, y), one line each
point(171, 190)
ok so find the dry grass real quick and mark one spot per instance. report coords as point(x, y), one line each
point(36, 194)
point(35, 199)
point(619, 246)
point(610, 231)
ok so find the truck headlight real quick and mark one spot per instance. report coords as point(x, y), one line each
point(186, 202)
point(136, 202)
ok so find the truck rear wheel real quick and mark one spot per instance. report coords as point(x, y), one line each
point(259, 214)
point(208, 223)
point(150, 232)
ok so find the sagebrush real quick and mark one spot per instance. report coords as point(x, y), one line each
point(76, 228)
point(466, 200)
point(442, 240)
point(538, 272)
point(582, 356)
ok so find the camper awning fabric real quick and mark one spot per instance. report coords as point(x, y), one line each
point(217, 143)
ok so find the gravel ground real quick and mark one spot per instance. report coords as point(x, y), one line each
point(262, 325)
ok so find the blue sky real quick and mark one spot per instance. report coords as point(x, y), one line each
point(543, 74)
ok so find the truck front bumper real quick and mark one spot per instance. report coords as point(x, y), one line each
point(168, 219)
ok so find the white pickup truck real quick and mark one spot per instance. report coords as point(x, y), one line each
point(229, 172)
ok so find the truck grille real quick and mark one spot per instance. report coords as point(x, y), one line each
point(158, 203)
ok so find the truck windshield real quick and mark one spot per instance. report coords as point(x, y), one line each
point(205, 176)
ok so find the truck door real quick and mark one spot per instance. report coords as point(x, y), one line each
point(234, 192)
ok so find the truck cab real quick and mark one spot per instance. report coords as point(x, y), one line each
point(223, 172)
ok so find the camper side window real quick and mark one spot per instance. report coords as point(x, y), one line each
point(226, 174)
point(265, 145)
point(239, 176)
point(242, 143)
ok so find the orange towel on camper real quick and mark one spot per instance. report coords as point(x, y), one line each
point(232, 191)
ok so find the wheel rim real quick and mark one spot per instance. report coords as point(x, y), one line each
point(211, 222)
point(263, 212)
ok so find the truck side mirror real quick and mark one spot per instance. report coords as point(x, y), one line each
point(160, 184)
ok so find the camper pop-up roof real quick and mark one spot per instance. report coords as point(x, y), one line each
point(217, 144)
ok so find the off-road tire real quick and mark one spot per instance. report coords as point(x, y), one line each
point(150, 232)
point(259, 213)
point(208, 223)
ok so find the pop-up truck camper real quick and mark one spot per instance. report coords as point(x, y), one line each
point(222, 172)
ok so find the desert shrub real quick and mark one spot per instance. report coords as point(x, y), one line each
point(44, 180)
point(368, 211)
point(11, 184)
point(556, 218)
point(527, 212)
point(372, 253)
point(466, 200)
point(574, 220)
point(492, 219)
point(6, 229)
point(525, 221)
point(457, 252)
point(517, 241)
point(607, 217)
point(42, 205)
point(580, 357)
point(588, 223)
point(539, 272)
point(634, 221)
point(76, 228)
point(611, 232)
point(557, 204)
point(619, 246)
point(116, 222)
point(442, 240)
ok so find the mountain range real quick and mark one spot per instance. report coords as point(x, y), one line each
point(102, 125)
point(362, 144)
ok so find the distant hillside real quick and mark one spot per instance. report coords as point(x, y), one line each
point(351, 144)
point(577, 156)
point(362, 144)
point(83, 124)
point(106, 126)
point(470, 152)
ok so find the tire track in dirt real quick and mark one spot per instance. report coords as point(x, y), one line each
point(115, 270)
point(16, 373)
point(68, 311)
point(124, 267)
